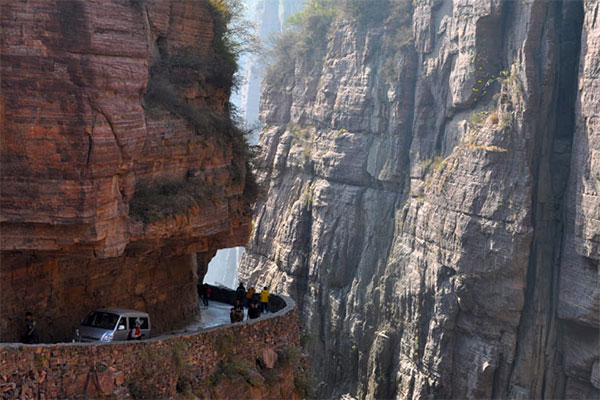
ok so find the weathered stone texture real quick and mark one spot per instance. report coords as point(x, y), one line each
point(434, 209)
point(77, 140)
point(164, 367)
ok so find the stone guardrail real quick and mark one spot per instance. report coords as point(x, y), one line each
point(155, 366)
point(226, 295)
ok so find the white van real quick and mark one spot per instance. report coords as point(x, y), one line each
point(111, 325)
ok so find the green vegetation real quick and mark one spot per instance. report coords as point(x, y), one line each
point(41, 359)
point(305, 34)
point(233, 368)
point(313, 23)
point(167, 199)
point(172, 357)
point(304, 38)
point(304, 384)
point(478, 118)
point(232, 35)
point(170, 76)
point(489, 148)
point(291, 356)
point(226, 343)
point(399, 17)
point(437, 164)
point(307, 195)
point(366, 12)
point(303, 138)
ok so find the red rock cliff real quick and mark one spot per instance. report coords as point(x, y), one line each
point(119, 159)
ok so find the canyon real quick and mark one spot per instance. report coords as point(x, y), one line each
point(431, 173)
point(121, 170)
point(432, 202)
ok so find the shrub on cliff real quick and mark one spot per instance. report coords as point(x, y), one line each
point(154, 202)
point(305, 34)
point(233, 36)
point(304, 38)
point(171, 75)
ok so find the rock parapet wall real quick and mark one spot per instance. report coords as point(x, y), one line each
point(156, 368)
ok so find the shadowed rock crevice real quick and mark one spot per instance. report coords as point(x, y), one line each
point(539, 344)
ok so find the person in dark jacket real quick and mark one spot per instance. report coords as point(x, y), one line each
point(205, 294)
point(253, 311)
point(241, 292)
point(237, 312)
point(31, 333)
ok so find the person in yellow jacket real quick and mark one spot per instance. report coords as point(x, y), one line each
point(264, 299)
point(250, 296)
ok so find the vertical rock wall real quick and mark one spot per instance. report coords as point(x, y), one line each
point(268, 17)
point(433, 200)
point(109, 186)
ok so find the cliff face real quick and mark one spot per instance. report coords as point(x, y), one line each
point(119, 162)
point(433, 199)
point(268, 20)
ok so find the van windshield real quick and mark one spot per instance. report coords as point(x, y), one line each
point(99, 319)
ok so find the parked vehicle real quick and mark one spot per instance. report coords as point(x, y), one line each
point(111, 325)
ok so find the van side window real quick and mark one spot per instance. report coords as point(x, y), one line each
point(144, 323)
point(123, 321)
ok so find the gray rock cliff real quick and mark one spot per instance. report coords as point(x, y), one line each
point(433, 200)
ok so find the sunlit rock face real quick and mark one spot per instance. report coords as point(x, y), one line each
point(107, 193)
point(433, 200)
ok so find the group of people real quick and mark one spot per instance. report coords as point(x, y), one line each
point(255, 306)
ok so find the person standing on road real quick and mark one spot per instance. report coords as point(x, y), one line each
point(250, 297)
point(241, 292)
point(264, 299)
point(253, 311)
point(31, 334)
point(205, 294)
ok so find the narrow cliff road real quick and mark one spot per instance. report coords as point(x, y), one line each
point(216, 314)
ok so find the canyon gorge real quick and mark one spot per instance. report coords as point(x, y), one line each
point(432, 173)
point(427, 190)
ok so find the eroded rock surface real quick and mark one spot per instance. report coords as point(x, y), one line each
point(433, 200)
point(83, 145)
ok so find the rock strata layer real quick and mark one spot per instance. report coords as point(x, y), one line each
point(433, 200)
point(111, 180)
